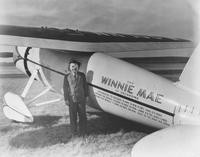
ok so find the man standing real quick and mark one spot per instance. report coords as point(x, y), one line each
point(75, 94)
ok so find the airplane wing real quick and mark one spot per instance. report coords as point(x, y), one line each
point(175, 141)
point(75, 40)
point(161, 55)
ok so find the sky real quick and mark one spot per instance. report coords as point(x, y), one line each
point(169, 18)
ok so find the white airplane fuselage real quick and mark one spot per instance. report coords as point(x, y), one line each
point(118, 87)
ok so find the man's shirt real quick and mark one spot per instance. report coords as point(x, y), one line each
point(75, 87)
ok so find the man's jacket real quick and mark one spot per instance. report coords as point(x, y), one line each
point(75, 88)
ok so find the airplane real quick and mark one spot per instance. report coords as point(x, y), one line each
point(115, 86)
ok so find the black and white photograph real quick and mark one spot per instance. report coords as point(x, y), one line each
point(99, 78)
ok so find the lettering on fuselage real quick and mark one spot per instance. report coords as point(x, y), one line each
point(151, 95)
point(127, 99)
point(129, 90)
point(118, 85)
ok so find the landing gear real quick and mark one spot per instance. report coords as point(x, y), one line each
point(14, 106)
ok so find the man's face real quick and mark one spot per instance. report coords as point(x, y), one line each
point(73, 67)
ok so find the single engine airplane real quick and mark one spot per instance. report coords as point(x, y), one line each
point(115, 86)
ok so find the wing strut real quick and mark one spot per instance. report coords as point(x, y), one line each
point(15, 108)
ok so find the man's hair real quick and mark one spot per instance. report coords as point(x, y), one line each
point(74, 61)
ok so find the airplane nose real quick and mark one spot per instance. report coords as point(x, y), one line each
point(16, 56)
point(18, 60)
point(22, 58)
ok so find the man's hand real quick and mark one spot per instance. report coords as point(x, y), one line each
point(67, 102)
point(87, 99)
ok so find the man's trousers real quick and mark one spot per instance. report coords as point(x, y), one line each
point(78, 110)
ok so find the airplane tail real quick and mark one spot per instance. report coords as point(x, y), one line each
point(190, 77)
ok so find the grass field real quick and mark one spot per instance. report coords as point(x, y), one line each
point(49, 134)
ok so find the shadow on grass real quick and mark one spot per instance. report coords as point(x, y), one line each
point(99, 123)
point(42, 137)
point(39, 121)
point(45, 121)
point(107, 123)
